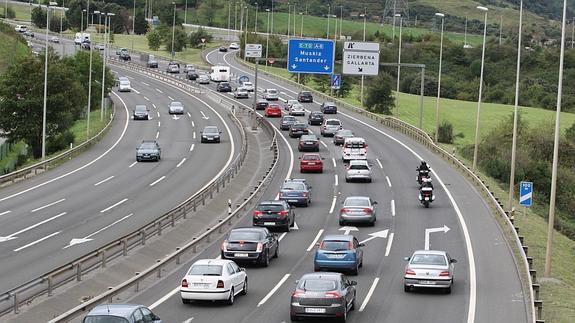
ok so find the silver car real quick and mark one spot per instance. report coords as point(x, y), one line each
point(128, 313)
point(358, 170)
point(330, 127)
point(241, 93)
point(359, 209)
point(176, 108)
point(271, 94)
point(203, 79)
point(297, 110)
point(429, 269)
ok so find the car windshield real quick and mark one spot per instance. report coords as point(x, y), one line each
point(104, 319)
point(356, 202)
point(270, 207)
point(425, 259)
point(272, 91)
point(246, 235)
point(317, 285)
point(206, 270)
point(305, 93)
point(358, 167)
point(308, 138)
point(344, 133)
point(333, 122)
point(290, 119)
point(124, 82)
point(224, 84)
point(293, 186)
point(298, 125)
point(334, 245)
point(176, 104)
point(141, 108)
point(310, 157)
point(297, 106)
point(211, 130)
point(148, 145)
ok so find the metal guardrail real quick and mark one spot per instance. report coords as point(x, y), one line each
point(53, 161)
point(11, 301)
point(425, 139)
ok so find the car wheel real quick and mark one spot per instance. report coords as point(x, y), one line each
point(277, 253)
point(352, 307)
point(355, 271)
point(186, 301)
point(341, 222)
point(287, 227)
point(245, 289)
point(265, 261)
point(301, 171)
point(406, 288)
point(138, 160)
point(294, 318)
point(448, 290)
point(230, 300)
point(343, 318)
point(347, 180)
point(315, 268)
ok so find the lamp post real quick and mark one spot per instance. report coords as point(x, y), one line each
point(398, 62)
point(82, 19)
point(229, 16)
point(267, 38)
point(439, 78)
point(328, 15)
point(246, 31)
point(107, 31)
point(272, 19)
point(241, 19)
point(551, 223)
point(44, 110)
point(364, 15)
point(572, 32)
point(173, 30)
point(289, 18)
point(89, 106)
point(97, 12)
point(301, 26)
point(235, 16)
point(256, 20)
point(186, 13)
point(134, 24)
point(484, 9)
point(340, 20)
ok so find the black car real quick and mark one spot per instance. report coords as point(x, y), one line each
point(224, 87)
point(274, 214)
point(210, 134)
point(223, 49)
point(315, 118)
point(305, 96)
point(152, 63)
point(340, 135)
point(125, 56)
point(262, 104)
point(298, 129)
point(328, 107)
point(308, 143)
point(192, 75)
point(148, 150)
point(86, 44)
point(287, 121)
point(250, 244)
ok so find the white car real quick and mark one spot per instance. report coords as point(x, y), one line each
point(234, 46)
point(271, 94)
point(289, 103)
point(189, 68)
point(124, 84)
point(358, 170)
point(100, 46)
point(248, 86)
point(55, 40)
point(176, 108)
point(203, 79)
point(213, 280)
point(241, 93)
point(354, 148)
point(297, 110)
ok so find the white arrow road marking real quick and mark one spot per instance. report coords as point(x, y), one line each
point(192, 147)
point(87, 238)
point(14, 235)
point(113, 206)
point(5, 212)
point(37, 241)
point(295, 227)
point(157, 181)
point(181, 162)
point(159, 90)
point(389, 243)
point(204, 116)
point(378, 234)
point(388, 181)
point(276, 287)
point(132, 165)
point(312, 244)
point(105, 180)
point(392, 207)
point(332, 205)
point(145, 97)
point(175, 117)
point(379, 163)
point(333, 160)
point(348, 229)
point(47, 205)
point(429, 231)
point(369, 294)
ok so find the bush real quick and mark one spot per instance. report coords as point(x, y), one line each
point(60, 142)
point(196, 37)
point(445, 132)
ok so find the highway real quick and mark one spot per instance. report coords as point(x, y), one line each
point(103, 194)
point(487, 285)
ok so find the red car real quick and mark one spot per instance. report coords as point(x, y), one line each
point(311, 162)
point(273, 110)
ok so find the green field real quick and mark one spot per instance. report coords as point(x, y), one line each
point(10, 50)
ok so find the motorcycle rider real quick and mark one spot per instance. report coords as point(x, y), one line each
point(421, 169)
point(428, 186)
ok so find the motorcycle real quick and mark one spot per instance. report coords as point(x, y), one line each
point(421, 174)
point(426, 196)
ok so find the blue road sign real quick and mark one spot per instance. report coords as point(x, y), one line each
point(311, 56)
point(336, 81)
point(526, 193)
point(243, 78)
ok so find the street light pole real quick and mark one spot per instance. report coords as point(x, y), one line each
point(301, 26)
point(328, 15)
point(173, 30)
point(363, 77)
point(515, 112)
point(340, 20)
point(267, 38)
point(108, 18)
point(134, 24)
point(246, 31)
point(82, 19)
point(289, 18)
point(256, 20)
point(551, 223)
point(398, 64)
point(572, 32)
point(229, 16)
point(186, 13)
point(439, 78)
point(45, 107)
point(484, 9)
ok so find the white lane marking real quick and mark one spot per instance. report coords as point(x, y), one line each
point(159, 124)
point(132, 165)
point(189, 115)
point(323, 143)
point(155, 107)
point(47, 205)
point(164, 298)
point(379, 163)
point(88, 237)
point(332, 205)
point(157, 181)
point(194, 135)
point(145, 97)
point(334, 164)
point(389, 243)
point(336, 180)
point(192, 147)
point(312, 244)
point(5, 212)
point(282, 236)
point(157, 135)
point(113, 206)
point(82, 167)
point(130, 77)
point(276, 287)
point(137, 92)
point(146, 84)
point(104, 180)
point(388, 181)
point(369, 294)
point(158, 112)
point(169, 97)
point(14, 235)
point(181, 162)
point(392, 207)
point(159, 90)
point(188, 320)
point(37, 241)
point(283, 93)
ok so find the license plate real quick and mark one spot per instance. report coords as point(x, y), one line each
point(200, 285)
point(309, 142)
point(292, 201)
point(314, 310)
point(241, 255)
point(269, 223)
point(336, 256)
point(427, 282)
point(311, 163)
point(427, 198)
point(210, 138)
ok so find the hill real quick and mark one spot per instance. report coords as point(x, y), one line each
point(13, 46)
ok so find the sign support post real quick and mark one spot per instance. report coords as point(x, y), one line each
point(254, 118)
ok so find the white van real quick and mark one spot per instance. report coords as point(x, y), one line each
point(21, 28)
point(354, 148)
point(220, 74)
point(124, 84)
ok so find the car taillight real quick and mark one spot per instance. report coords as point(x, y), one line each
point(409, 272)
point(321, 245)
point(258, 213)
point(350, 245)
point(367, 210)
point(220, 284)
point(260, 247)
point(333, 294)
point(224, 245)
point(184, 283)
point(297, 293)
point(344, 210)
point(444, 274)
point(283, 213)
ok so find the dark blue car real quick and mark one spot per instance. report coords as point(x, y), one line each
point(339, 252)
point(296, 192)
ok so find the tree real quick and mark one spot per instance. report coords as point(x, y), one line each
point(154, 40)
point(140, 25)
point(196, 37)
point(39, 17)
point(180, 40)
point(379, 98)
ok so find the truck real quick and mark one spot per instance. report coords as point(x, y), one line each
point(81, 37)
point(220, 74)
